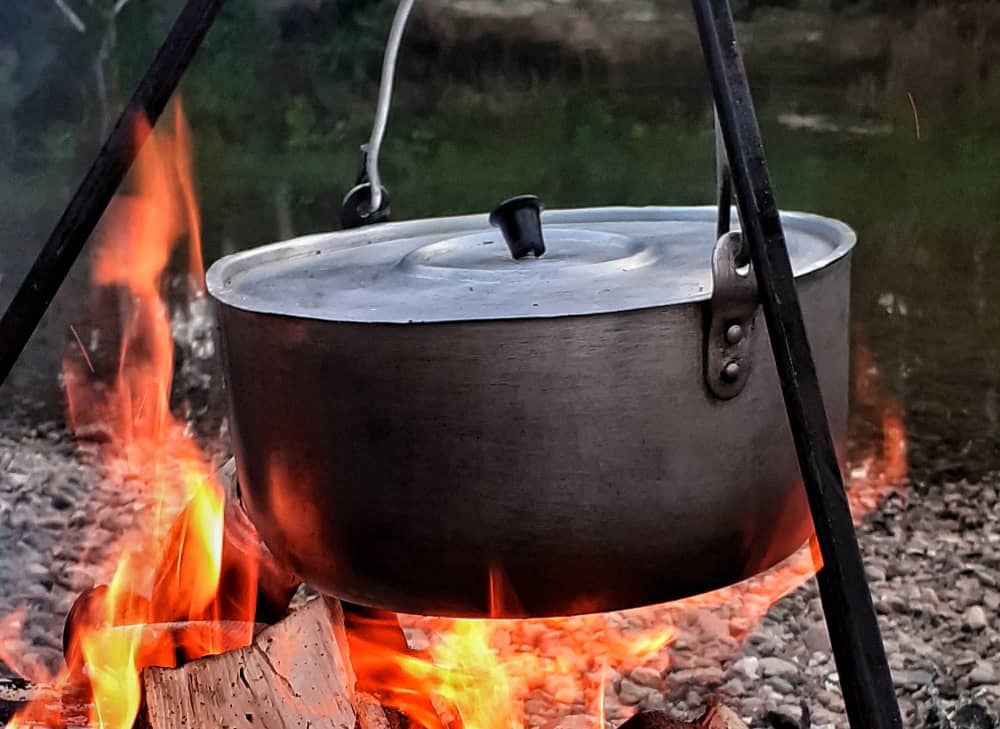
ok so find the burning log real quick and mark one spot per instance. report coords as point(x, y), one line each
point(295, 673)
point(373, 715)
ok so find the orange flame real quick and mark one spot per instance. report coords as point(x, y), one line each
point(481, 672)
point(168, 569)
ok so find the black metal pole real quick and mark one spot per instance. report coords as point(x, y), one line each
point(102, 180)
point(857, 643)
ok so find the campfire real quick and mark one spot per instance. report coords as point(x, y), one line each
point(194, 625)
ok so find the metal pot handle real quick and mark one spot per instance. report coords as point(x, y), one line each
point(732, 318)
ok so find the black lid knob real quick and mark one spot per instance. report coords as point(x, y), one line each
point(519, 219)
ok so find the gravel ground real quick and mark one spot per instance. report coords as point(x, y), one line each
point(933, 559)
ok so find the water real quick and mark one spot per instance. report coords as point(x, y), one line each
point(276, 149)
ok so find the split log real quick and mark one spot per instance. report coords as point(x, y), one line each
point(294, 674)
point(721, 717)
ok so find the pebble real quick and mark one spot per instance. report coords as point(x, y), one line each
point(817, 638)
point(632, 693)
point(733, 687)
point(793, 712)
point(983, 673)
point(874, 573)
point(708, 676)
point(647, 676)
point(774, 666)
point(911, 679)
point(780, 685)
point(975, 618)
point(573, 721)
point(747, 667)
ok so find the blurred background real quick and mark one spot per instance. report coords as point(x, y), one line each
point(883, 113)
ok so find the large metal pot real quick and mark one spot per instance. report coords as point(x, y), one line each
point(422, 424)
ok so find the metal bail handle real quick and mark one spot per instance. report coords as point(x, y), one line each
point(732, 318)
point(368, 202)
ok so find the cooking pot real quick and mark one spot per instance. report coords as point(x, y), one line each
point(424, 424)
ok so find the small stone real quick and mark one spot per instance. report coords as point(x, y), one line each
point(966, 659)
point(874, 573)
point(825, 718)
point(984, 673)
point(774, 666)
point(817, 638)
point(36, 570)
point(747, 667)
point(911, 679)
point(733, 687)
point(781, 685)
point(631, 693)
point(647, 676)
point(786, 716)
point(712, 626)
point(573, 721)
point(974, 618)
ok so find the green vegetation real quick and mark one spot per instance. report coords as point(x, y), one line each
point(280, 100)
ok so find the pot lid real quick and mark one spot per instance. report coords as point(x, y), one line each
point(597, 260)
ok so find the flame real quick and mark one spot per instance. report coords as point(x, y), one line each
point(167, 570)
point(481, 673)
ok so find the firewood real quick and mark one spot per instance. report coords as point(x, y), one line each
point(721, 717)
point(294, 674)
point(373, 715)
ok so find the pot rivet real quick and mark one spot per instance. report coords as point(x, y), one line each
point(734, 334)
point(731, 371)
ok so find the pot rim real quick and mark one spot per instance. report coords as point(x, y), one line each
point(220, 274)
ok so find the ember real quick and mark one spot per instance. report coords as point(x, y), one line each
point(168, 570)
